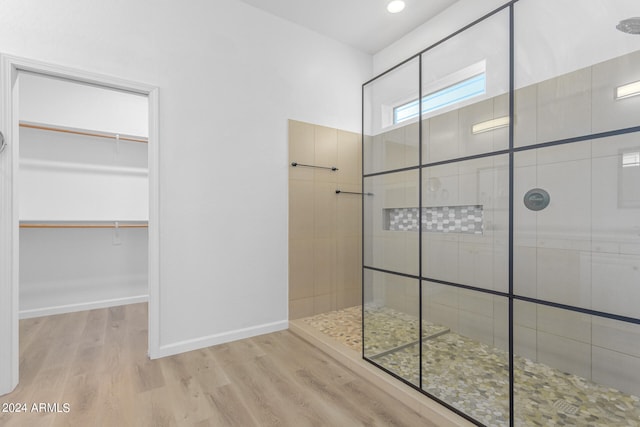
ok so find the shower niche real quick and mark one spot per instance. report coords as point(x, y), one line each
point(504, 313)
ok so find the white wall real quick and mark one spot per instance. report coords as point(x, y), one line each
point(229, 76)
point(64, 270)
point(461, 13)
point(83, 106)
point(547, 43)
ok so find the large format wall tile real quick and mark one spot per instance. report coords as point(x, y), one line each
point(476, 326)
point(564, 276)
point(566, 354)
point(322, 224)
point(617, 370)
point(564, 323)
point(564, 106)
point(615, 284)
point(617, 336)
point(525, 126)
point(610, 113)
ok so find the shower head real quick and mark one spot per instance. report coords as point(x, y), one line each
point(630, 25)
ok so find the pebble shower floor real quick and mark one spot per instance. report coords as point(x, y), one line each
point(474, 378)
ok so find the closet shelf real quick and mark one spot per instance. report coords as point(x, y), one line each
point(84, 132)
point(80, 167)
point(84, 224)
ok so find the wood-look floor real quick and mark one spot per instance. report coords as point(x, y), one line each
point(96, 362)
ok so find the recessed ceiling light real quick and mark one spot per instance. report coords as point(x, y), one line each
point(629, 26)
point(395, 6)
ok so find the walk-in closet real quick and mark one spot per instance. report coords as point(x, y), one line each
point(83, 196)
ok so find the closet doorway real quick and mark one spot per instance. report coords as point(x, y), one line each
point(79, 198)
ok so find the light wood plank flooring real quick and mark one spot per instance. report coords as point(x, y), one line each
point(96, 362)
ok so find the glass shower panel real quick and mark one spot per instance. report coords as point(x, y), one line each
point(465, 336)
point(390, 119)
point(583, 248)
point(391, 222)
point(465, 219)
point(574, 369)
point(615, 225)
point(574, 80)
point(465, 85)
point(391, 330)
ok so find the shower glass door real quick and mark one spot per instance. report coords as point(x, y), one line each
point(501, 217)
point(391, 286)
point(576, 252)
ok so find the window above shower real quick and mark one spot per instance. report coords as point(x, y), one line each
point(452, 90)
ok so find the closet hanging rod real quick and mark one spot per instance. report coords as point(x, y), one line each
point(81, 225)
point(333, 168)
point(83, 132)
point(351, 192)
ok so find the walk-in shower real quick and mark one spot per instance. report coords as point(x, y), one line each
point(501, 222)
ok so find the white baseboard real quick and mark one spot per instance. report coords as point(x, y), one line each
point(211, 340)
point(69, 308)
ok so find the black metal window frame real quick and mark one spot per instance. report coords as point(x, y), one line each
point(511, 151)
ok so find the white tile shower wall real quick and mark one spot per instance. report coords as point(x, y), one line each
point(525, 342)
point(568, 324)
point(403, 295)
point(476, 315)
point(525, 333)
point(443, 315)
point(479, 260)
point(616, 336)
point(440, 256)
point(577, 103)
point(501, 323)
point(616, 370)
point(615, 283)
point(565, 354)
point(441, 305)
point(476, 326)
point(390, 250)
point(587, 258)
point(525, 126)
point(443, 140)
point(475, 302)
point(477, 264)
point(392, 291)
point(564, 276)
point(483, 142)
point(615, 223)
point(564, 106)
point(607, 112)
point(567, 182)
point(393, 149)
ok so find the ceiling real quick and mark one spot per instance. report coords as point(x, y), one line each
point(363, 24)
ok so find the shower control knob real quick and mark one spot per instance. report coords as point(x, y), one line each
point(536, 199)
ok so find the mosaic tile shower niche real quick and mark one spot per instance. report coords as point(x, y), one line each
point(509, 316)
point(439, 219)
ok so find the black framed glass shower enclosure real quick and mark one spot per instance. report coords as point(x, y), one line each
point(501, 222)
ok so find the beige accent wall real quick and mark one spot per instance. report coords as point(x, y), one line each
point(325, 256)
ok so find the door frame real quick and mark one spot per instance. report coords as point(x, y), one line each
point(10, 66)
